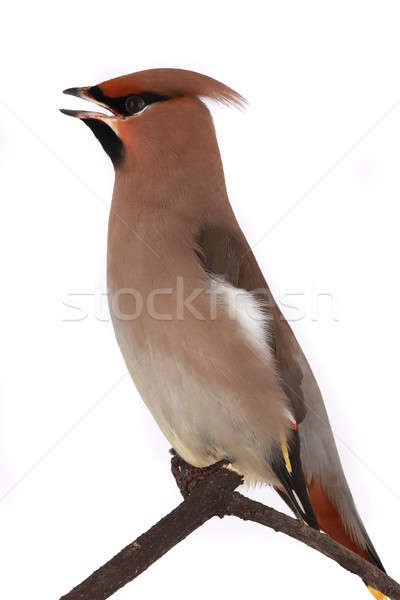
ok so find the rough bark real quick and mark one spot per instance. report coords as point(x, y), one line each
point(208, 493)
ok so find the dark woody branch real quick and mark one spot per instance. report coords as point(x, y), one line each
point(208, 493)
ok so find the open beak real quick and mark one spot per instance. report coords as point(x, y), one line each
point(84, 92)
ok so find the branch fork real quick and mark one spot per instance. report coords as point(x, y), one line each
point(207, 493)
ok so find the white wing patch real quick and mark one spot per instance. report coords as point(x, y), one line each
point(246, 310)
point(298, 501)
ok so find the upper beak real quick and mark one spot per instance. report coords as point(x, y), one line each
point(83, 92)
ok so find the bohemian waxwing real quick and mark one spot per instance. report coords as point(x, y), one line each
point(209, 351)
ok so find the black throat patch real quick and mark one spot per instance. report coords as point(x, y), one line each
point(108, 139)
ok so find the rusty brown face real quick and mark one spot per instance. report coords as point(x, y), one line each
point(105, 126)
point(127, 98)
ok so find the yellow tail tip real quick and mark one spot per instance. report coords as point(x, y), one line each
point(376, 593)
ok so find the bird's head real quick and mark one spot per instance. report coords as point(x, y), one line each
point(156, 115)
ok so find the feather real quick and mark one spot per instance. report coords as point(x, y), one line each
point(286, 464)
point(226, 251)
point(172, 83)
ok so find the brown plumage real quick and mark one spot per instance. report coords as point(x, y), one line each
point(222, 372)
point(173, 83)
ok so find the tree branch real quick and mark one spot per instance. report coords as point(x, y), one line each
point(207, 493)
point(249, 510)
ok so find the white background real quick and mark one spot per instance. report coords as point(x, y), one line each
point(84, 469)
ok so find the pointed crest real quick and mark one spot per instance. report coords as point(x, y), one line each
point(172, 82)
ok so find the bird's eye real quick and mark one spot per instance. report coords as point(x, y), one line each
point(134, 104)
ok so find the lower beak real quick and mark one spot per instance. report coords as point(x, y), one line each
point(85, 114)
point(83, 92)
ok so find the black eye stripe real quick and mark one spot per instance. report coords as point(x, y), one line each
point(118, 104)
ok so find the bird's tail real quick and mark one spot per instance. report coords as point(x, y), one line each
point(376, 593)
point(331, 522)
point(311, 503)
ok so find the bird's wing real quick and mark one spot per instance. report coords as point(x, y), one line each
point(225, 251)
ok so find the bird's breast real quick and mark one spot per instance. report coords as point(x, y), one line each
point(197, 349)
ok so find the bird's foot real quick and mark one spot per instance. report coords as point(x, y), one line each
point(187, 477)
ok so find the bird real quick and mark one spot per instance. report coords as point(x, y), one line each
point(206, 344)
